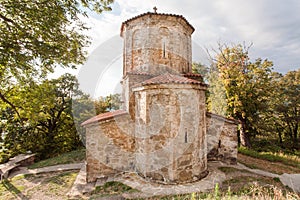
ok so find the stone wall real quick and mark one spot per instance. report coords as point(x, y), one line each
point(128, 82)
point(170, 132)
point(163, 132)
point(110, 147)
point(157, 40)
point(221, 138)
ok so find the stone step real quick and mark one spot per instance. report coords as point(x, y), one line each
point(100, 181)
point(5, 169)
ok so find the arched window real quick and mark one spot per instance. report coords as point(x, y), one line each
point(135, 37)
point(134, 46)
point(164, 35)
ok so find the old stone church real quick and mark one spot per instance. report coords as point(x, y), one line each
point(163, 131)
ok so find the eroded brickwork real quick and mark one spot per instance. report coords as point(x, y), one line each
point(154, 42)
point(221, 138)
point(110, 145)
point(170, 132)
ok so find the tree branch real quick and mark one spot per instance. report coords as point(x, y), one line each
point(6, 19)
point(2, 97)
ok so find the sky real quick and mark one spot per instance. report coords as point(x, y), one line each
point(272, 26)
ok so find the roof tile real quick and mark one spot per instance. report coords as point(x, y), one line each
point(104, 116)
point(161, 14)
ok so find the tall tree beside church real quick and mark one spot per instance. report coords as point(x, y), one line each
point(285, 107)
point(37, 36)
point(45, 108)
point(217, 95)
point(245, 83)
point(108, 103)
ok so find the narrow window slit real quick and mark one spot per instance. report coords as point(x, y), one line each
point(164, 50)
point(185, 137)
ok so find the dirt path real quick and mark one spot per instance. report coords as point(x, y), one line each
point(273, 167)
point(147, 188)
point(55, 168)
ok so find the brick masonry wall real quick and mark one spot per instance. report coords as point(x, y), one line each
point(109, 147)
point(155, 40)
point(128, 98)
point(170, 133)
point(222, 139)
point(167, 136)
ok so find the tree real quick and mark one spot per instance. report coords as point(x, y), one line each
point(289, 106)
point(37, 36)
point(216, 100)
point(199, 68)
point(215, 94)
point(245, 83)
point(108, 103)
point(285, 107)
point(48, 126)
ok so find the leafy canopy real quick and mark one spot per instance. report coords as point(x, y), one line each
point(49, 126)
point(245, 84)
point(38, 35)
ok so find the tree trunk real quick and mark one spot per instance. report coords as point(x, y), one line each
point(244, 136)
point(280, 136)
point(295, 138)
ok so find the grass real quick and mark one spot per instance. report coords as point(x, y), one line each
point(243, 187)
point(49, 186)
point(259, 186)
point(66, 158)
point(287, 159)
point(250, 165)
point(253, 192)
point(54, 185)
point(12, 188)
point(228, 170)
point(111, 188)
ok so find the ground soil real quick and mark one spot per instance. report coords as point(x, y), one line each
point(274, 167)
point(56, 185)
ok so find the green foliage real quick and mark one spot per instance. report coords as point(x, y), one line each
point(283, 114)
point(38, 35)
point(53, 186)
point(112, 188)
point(216, 101)
point(255, 188)
point(4, 157)
point(199, 68)
point(245, 84)
point(6, 185)
point(217, 191)
point(266, 103)
point(277, 179)
point(46, 126)
point(108, 103)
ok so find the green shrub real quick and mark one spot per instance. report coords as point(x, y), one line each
point(4, 157)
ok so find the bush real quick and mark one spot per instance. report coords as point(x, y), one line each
point(4, 157)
